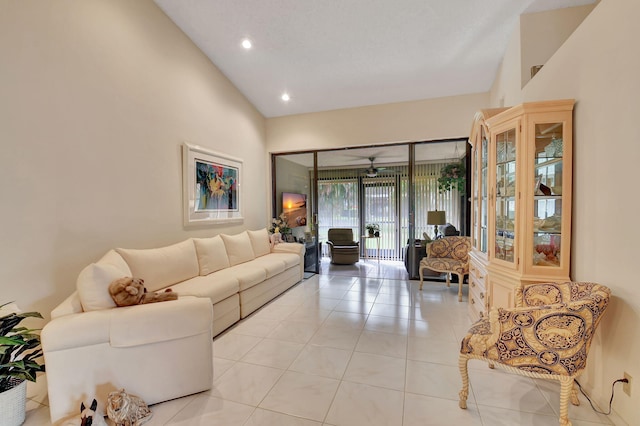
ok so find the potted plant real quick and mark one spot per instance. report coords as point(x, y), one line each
point(280, 225)
point(372, 228)
point(452, 176)
point(19, 352)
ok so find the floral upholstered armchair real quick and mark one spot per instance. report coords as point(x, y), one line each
point(449, 255)
point(546, 336)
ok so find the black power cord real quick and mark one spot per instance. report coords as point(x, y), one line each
point(610, 401)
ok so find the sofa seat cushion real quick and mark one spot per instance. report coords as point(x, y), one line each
point(239, 248)
point(164, 266)
point(212, 254)
point(272, 266)
point(346, 248)
point(445, 264)
point(216, 286)
point(247, 274)
point(289, 259)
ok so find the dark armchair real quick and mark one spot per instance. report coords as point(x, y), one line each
point(343, 250)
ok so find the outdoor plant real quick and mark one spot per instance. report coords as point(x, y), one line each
point(19, 347)
point(372, 227)
point(452, 176)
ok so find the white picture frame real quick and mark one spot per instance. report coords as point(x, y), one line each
point(212, 187)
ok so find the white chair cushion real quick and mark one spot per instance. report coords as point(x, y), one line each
point(260, 242)
point(212, 254)
point(238, 247)
point(164, 266)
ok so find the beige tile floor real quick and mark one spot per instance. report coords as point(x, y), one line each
point(354, 350)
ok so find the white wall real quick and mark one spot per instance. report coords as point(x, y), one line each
point(429, 119)
point(598, 67)
point(542, 33)
point(96, 98)
point(506, 87)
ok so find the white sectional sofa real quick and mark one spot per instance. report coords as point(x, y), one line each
point(160, 351)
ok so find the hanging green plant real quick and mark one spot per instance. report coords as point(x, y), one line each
point(452, 176)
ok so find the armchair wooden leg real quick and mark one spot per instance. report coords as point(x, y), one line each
point(464, 374)
point(460, 279)
point(566, 386)
point(421, 276)
point(448, 280)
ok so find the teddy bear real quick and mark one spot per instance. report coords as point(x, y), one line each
point(129, 291)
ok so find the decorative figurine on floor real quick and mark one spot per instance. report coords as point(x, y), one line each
point(126, 409)
point(89, 417)
point(129, 291)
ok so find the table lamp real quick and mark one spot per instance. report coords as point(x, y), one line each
point(436, 217)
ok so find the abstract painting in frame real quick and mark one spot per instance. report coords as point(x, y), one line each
point(212, 185)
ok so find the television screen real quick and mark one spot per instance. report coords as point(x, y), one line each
point(294, 206)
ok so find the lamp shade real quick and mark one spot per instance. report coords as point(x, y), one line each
point(437, 217)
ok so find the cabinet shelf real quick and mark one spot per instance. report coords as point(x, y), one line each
point(547, 197)
point(550, 161)
point(538, 232)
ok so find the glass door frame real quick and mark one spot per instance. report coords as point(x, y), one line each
point(515, 126)
point(311, 200)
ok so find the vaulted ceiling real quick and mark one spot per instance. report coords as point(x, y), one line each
point(332, 54)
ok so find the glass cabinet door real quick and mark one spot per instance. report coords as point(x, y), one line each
point(483, 220)
point(505, 195)
point(547, 195)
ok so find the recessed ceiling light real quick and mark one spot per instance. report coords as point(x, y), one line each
point(285, 97)
point(246, 43)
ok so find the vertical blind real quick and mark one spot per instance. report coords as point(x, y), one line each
point(349, 200)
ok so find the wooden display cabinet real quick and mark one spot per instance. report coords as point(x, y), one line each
point(521, 200)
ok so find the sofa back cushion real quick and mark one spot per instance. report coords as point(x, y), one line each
point(164, 266)
point(212, 254)
point(238, 247)
point(93, 281)
point(260, 242)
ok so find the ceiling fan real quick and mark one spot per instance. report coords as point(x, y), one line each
point(372, 171)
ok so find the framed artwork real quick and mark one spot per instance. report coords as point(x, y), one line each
point(212, 187)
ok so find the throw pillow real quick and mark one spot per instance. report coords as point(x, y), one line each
point(93, 286)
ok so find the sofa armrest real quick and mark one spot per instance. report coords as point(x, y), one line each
point(129, 326)
point(289, 248)
point(71, 305)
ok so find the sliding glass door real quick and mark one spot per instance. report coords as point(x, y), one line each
point(380, 208)
point(393, 186)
